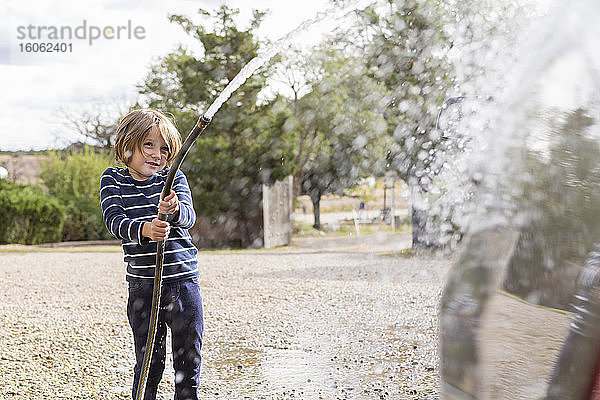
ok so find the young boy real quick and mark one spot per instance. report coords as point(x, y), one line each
point(146, 143)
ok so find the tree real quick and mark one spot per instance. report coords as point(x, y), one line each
point(98, 125)
point(406, 49)
point(297, 72)
point(244, 146)
point(425, 51)
point(338, 128)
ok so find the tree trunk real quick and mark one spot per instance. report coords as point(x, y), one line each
point(418, 216)
point(297, 184)
point(315, 197)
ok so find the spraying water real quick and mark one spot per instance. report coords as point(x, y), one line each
point(536, 219)
point(331, 15)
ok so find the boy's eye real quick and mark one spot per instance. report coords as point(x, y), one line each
point(164, 149)
point(148, 144)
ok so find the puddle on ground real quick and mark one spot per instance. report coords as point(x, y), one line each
point(305, 373)
point(230, 371)
point(242, 372)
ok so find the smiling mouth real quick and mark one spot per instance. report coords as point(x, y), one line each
point(153, 164)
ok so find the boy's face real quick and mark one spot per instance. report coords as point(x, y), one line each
point(143, 164)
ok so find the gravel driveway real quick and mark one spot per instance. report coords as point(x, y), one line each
point(342, 321)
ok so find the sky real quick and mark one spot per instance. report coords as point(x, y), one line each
point(39, 88)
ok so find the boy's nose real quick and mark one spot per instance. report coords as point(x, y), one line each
point(155, 153)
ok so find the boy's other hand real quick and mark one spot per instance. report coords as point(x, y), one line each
point(170, 205)
point(157, 230)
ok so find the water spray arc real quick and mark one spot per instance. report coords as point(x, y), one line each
point(334, 13)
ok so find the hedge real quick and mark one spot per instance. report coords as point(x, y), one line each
point(28, 215)
point(74, 179)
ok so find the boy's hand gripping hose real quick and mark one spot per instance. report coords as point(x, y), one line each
point(160, 248)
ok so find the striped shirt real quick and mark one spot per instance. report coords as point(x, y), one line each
point(127, 203)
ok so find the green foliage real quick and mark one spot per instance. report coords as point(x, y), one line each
point(28, 215)
point(74, 179)
point(227, 168)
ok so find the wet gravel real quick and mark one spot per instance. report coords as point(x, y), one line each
point(347, 321)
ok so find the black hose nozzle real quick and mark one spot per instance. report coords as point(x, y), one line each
point(203, 122)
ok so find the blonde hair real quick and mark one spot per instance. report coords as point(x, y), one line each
point(135, 126)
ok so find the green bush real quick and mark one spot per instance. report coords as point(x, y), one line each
point(74, 179)
point(28, 215)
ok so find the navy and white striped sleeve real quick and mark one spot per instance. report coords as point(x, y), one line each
point(113, 212)
point(187, 215)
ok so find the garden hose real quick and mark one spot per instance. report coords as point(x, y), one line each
point(160, 249)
